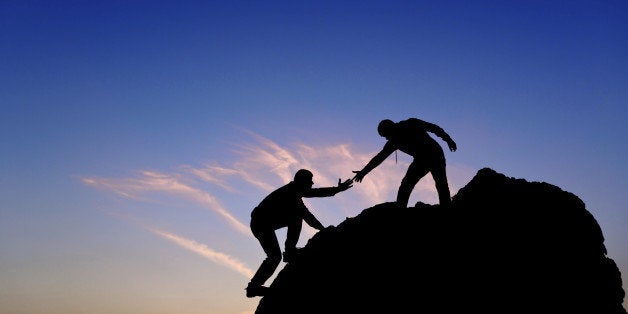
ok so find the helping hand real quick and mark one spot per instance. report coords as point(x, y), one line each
point(343, 186)
point(358, 176)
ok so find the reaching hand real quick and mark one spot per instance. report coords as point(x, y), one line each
point(359, 175)
point(343, 186)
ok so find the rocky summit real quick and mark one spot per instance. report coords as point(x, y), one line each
point(505, 245)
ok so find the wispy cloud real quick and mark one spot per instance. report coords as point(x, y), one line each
point(185, 243)
point(267, 157)
point(205, 251)
point(155, 182)
point(214, 174)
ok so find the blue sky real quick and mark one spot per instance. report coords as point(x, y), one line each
point(138, 135)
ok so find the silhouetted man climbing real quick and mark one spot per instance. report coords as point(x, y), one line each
point(285, 208)
point(410, 136)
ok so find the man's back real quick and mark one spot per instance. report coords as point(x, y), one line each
point(411, 137)
point(279, 207)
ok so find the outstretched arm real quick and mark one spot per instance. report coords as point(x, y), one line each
point(329, 191)
point(388, 149)
point(438, 131)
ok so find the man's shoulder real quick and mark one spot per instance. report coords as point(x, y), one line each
point(284, 189)
point(279, 193)
point(410, 124)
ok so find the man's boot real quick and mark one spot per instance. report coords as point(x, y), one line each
point(253, 290)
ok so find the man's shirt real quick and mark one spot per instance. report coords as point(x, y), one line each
point(285, 205)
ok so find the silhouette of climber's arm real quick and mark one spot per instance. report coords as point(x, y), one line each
point(329, 191)
point(294, 231)
point(388, 149)
point(309, 218)
point(292, 235)
point(438, 131)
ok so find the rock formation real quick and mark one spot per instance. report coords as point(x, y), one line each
point(505, 245)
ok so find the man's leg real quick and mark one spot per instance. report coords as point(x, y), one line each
point(269, 243)
point(414, 173)
point(440, 179)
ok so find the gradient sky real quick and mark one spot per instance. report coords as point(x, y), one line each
point(136, 136)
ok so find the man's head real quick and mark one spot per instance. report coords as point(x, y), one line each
point(385, 128)
point(303, 179)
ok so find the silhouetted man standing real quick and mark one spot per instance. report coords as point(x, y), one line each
point(284, 208)
point(410, 136)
